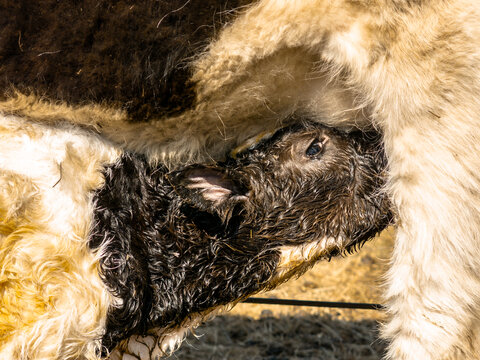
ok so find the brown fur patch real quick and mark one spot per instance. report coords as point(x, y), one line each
point(132, 54)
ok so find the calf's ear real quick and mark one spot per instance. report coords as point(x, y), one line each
point(208, 188)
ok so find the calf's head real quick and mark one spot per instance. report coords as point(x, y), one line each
point(207, 236)
point(307, 192)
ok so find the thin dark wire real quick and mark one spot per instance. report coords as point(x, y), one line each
point(327, 304)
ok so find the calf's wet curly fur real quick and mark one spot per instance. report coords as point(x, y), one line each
point(102, 252)
point(178, 246)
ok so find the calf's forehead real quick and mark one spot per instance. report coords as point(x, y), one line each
point(289, 153)
point(297, 142)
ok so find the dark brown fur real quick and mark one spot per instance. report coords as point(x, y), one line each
point(130, 54)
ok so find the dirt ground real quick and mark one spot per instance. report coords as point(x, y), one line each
point(272, 332)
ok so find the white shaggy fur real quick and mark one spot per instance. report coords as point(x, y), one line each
point(411, 68)
point(53, 302)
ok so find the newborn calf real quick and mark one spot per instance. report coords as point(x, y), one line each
point(178, 246)
point(131, 259)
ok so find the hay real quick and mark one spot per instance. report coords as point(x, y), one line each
point(283, 338)
point(272, 332)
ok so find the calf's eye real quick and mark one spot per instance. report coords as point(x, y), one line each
point(315, 148)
